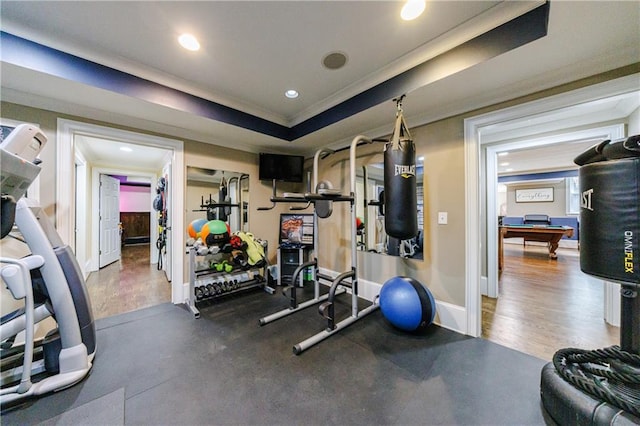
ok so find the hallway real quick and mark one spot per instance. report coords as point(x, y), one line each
point(127, 285)
point(545, 305)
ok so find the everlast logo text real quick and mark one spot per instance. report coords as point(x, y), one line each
point(405, 171)
point(628, 252)
point(585, 201)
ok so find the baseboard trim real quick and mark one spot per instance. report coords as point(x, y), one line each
point(570, 244)
point(452, 317)
point(449, 316)
point(484, 286)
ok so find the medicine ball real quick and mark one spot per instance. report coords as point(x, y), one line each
point(195, 227)
point(215, 232)
point(407, 304)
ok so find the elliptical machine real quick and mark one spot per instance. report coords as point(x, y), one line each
point(49, 281)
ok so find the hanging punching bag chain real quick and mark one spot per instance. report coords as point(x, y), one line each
point(398, 102)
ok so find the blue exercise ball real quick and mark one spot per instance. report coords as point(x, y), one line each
point(407, 304)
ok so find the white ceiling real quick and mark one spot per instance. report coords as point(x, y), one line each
point(254, 50)
point(108, 153)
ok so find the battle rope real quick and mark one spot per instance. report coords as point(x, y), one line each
point(610, 374)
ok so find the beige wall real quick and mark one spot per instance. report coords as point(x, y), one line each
point(262, 224)
point(441, 143)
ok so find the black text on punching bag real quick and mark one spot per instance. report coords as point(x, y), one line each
point(400, 198)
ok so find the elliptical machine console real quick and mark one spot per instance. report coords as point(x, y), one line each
point(49, 281)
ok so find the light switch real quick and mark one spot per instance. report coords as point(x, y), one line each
point(442, 218)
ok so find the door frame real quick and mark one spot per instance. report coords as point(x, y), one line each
point(613, 131)
point(476, 183)
point(65, 184)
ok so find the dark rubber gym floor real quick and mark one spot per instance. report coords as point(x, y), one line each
point(224, 369)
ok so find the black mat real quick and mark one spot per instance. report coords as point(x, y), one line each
point(225, 369)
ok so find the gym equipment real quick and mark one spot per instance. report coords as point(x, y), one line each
point(48, 280)
point(223, 266)
point(323, 201)
point(316, 277)
point(400, 198)
point(215, 232)
point(239, 259)
point(407, 304)
point(211, 278)
point(223, 212)
point(195, 227)
point(221, 209)
point(601, 386)
point(199, 293)
point(160, 205)
point(254, 248)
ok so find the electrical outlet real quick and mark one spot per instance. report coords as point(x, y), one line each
point(442, 218)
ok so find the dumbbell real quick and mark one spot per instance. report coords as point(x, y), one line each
point(224, 266)
point(199, 293)
point(201, 248)
point(212, 290)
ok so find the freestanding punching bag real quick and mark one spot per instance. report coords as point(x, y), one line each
point(572, 390)
point(400, 198)
point(610, 217)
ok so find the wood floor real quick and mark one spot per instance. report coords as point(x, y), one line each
point(545, 305)
point(127, 285)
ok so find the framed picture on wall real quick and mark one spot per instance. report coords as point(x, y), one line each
point(534, 195)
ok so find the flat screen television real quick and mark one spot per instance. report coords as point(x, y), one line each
point(284, 168)
point(296, 229)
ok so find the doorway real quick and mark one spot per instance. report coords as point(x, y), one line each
point(479, 239)
point(66, 218)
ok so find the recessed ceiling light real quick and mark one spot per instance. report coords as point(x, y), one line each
point(189, 42)
point(291, 94)
point(504, 164)
point(412, 9)
point(509, 170)
point(502, 154)
point(125, 149)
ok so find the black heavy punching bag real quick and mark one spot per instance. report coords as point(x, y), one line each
point(610, 210)
point(222, 198)
point(600, 386)
point(400, 198)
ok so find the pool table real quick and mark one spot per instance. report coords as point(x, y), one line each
point(544, 233)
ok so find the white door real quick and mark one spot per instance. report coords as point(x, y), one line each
point(109, 220)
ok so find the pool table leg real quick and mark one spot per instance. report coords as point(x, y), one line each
point(553, 246)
